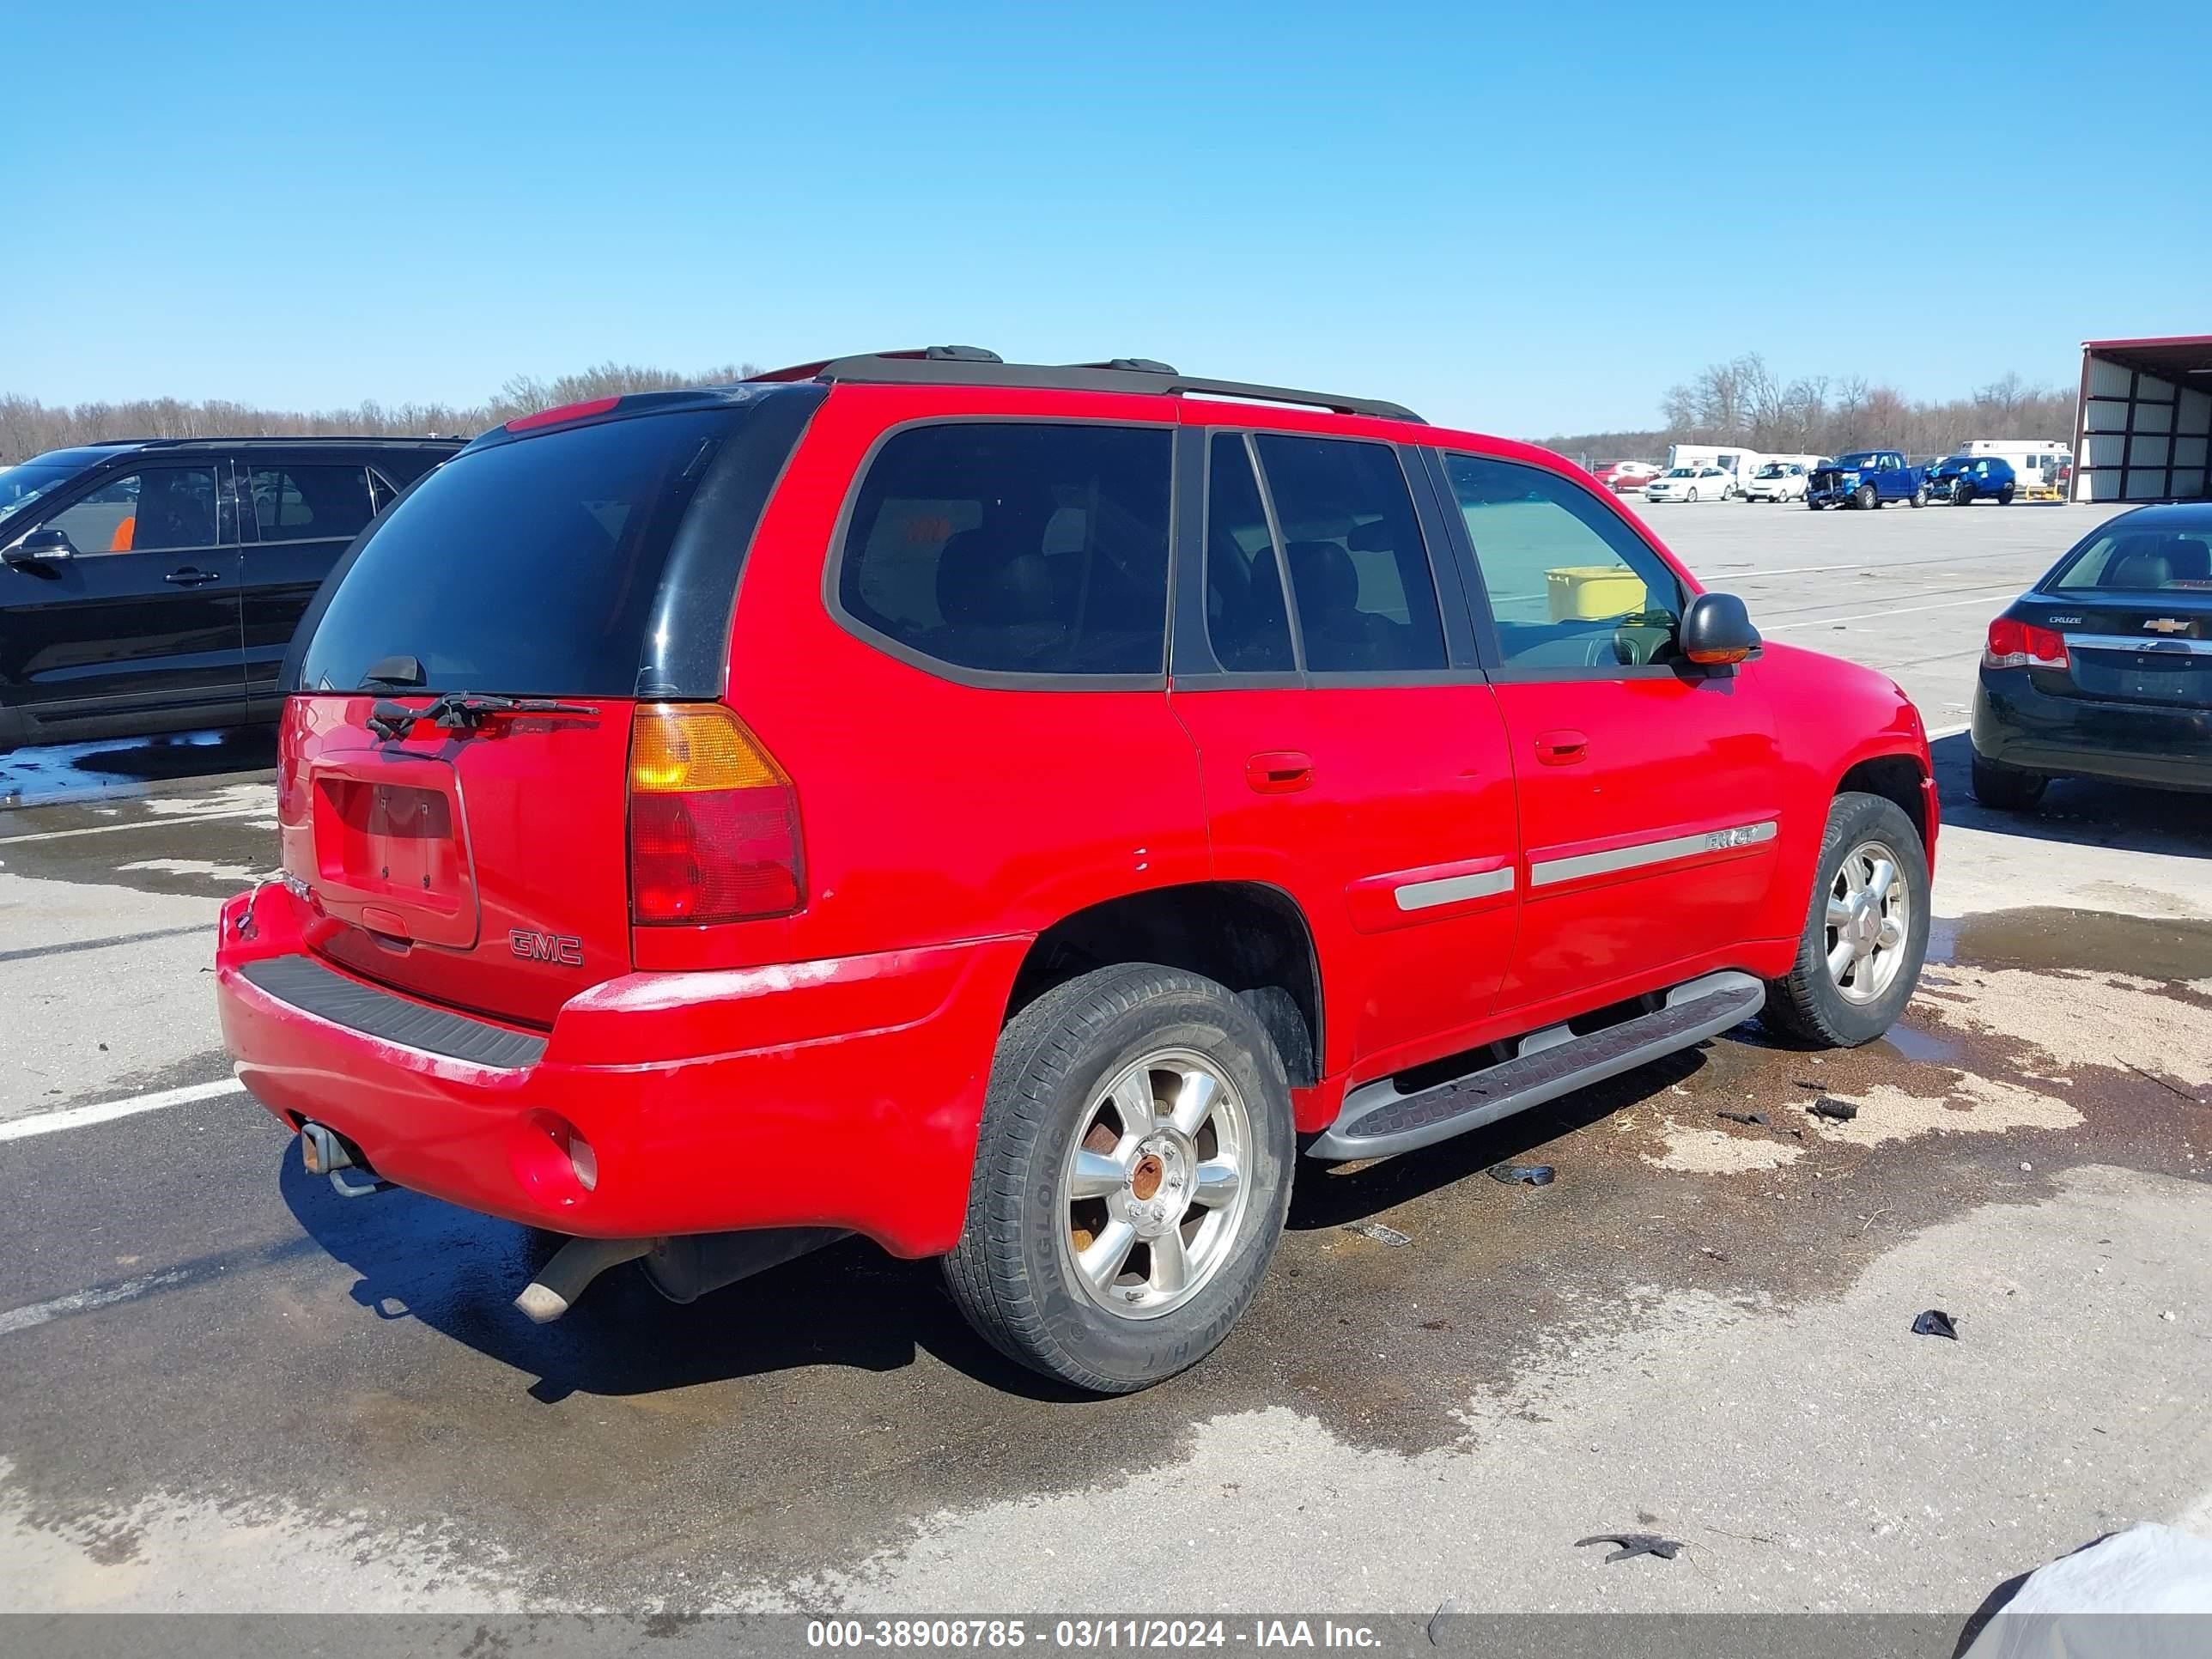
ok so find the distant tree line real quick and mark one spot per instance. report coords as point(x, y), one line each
point(29, 427)
point(1743, 401)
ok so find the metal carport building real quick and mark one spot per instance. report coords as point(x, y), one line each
point(2145, 420)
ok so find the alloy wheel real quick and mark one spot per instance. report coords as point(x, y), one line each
point(1869, 922)
point(1152, 1191)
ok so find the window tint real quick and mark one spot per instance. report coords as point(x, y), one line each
point(1245, 617)
point(1359, 571)
point(530, 568)
point(307, 503)
point(1036, 548)
point(1570, 584)
point(164, 509)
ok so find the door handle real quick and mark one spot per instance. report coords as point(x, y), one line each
point(1562, 748)
point(191, 577)
point(1278, 771)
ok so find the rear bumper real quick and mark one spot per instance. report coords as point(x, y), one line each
point(2017, 726)
point(843, 1093)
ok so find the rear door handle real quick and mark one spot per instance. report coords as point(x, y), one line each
point(1562, 748)
point(1278, 771)
point(191, 577)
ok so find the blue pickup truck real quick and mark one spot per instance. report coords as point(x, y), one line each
point(1866, 478)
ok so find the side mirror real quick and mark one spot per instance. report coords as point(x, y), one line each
point(1717, 629)
point(48, 544)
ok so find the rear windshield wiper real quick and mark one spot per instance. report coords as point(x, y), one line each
point(464, 711)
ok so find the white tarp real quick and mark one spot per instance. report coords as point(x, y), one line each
point(2143, 1594)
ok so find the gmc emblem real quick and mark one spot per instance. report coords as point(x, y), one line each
point(562, 948)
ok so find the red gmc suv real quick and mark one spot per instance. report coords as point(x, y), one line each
point(1012, 812)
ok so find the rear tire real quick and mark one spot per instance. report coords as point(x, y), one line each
point(2007, 788)
point(1067, 1167)
point(1920, 497)
point(2004, 495)
point(1692, 496)
point(1877, 929)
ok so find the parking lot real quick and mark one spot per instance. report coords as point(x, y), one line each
point(227, 1387)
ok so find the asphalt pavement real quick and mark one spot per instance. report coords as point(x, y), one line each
point(227, 1388)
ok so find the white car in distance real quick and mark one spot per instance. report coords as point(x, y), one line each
point(1776, 481)
point(1691, 484)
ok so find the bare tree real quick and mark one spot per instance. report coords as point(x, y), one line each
point(29, 427)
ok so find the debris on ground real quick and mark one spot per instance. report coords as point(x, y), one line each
point(1379, 1233)
point(1757, 1120)
point(1827, 1106)
point(1935, 1323)
point(1529, 1175)
point(1634, 1543)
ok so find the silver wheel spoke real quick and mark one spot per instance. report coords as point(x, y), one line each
point(1892, 934)
point(1839, 914)
point(1854, 877)
point(1102, 1262)
point(1884, 872)
point(1218, 1182)
point(1841, 958)
point(1096, 1175)
point(1194, 1101)
point(1133, 1098)
point(1171, 1264)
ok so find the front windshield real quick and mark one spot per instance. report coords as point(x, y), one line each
point(1771, 469)
point(1860, 458)
point(1682, 472)
point(21, 485)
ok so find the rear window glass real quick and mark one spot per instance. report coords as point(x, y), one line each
point(1016, 547)
point(2143, 562)
point(569, 563)
point(1359, 570)
point(310, 503)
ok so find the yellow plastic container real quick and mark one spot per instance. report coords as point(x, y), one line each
point(1591, 593)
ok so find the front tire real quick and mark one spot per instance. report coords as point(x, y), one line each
point(1866, 932)
point(1132, 1174)
point(1692, 496)
point(1865, 499)
point(2007, 788)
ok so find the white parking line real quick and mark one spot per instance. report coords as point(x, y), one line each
point(22, 1319)
point(106, 1111)
point(135, 824)
point(1862, 615)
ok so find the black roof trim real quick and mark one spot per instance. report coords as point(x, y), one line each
point(973, 366)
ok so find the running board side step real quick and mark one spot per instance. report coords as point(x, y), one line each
point(1377, 1121)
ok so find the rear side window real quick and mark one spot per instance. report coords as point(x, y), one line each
point(1571, 586)
point(1246, 620)
point(592, 560)
point(311, 503)
point(1359, 570)
point(1030, 548)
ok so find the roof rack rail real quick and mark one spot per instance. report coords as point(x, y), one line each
point(973, 366)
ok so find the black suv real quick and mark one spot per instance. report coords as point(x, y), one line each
point(154, 585)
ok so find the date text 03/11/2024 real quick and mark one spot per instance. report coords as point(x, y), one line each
point(1086, 1634)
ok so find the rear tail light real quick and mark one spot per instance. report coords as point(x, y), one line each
point(2014, 644)
point(713, 822)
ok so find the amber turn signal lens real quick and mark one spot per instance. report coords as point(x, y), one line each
point(683, 749)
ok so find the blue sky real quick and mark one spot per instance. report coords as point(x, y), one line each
point(1521, 219)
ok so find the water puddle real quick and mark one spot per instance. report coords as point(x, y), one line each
point(2044, 940)
point(57, 773)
